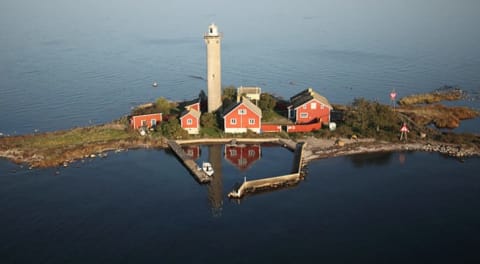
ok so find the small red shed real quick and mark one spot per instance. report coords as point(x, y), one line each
point(147, 120)
point(192, 104)
point(190, 121)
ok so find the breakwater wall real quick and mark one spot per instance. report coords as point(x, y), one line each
point(276, 181)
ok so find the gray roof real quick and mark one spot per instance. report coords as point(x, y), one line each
point(193, 112)
point(248, 103)
point(307, 95)
point(188, 103)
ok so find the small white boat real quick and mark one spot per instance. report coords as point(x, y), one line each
point(207, 168)
point(154, 84)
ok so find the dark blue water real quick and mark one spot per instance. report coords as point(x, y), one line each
point(143, 206)
point(76, 63)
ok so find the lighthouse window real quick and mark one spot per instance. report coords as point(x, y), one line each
point(211, 30)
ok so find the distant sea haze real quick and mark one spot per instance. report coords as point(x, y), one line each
point(88, 65)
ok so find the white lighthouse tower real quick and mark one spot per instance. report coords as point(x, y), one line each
point(214, 69)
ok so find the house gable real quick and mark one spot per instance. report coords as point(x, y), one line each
point(190, 121)
point(242, 116)
point(308, 106)
point(311, 111)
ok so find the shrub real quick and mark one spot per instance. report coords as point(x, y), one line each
point(172, 129)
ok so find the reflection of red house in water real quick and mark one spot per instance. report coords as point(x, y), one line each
point(192, 152)
point(242, 156)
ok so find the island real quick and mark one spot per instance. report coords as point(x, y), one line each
point(360, 127)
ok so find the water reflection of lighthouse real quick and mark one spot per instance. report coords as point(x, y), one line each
point(215, 188)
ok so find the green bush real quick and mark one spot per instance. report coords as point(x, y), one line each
point(172, 129)
point(371, 119)
point(209, 120)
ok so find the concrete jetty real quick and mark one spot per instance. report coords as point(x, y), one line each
point(276, 181)
point(190, 164)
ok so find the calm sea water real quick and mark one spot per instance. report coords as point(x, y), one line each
point(76, 63)
point(143, 206)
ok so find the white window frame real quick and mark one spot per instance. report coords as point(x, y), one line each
point(251, 121)
point(304, 115)
point(189, 121)
point(143, 122)
point(233, 121)
point(242, 111)
point(153, 122)
point(313, 105)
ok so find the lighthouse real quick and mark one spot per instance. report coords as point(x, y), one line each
point(214, 71)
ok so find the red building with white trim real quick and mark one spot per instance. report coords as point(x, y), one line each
point(308, 107)
point(242, 116)
point(193, 104)
point(147, 121)
point(190, 120)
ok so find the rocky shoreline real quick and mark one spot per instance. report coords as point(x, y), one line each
point(321, 149)
point(316, 148)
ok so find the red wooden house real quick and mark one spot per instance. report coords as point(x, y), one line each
point(190, 121)
point(242, 116)
point(147, 121)
point(242, 156)
point(308, 107)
